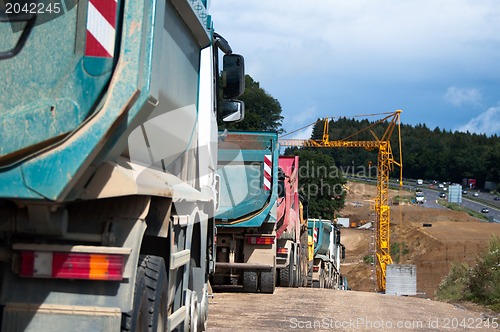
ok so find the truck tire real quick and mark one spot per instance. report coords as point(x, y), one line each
point(296, 281)
point(310, 275)
point(285, 276)
point(322, 277)
point(250, 281)
point(299, 280)
point(305, 268)
point(191, 320)
point(267, 281)
point(150, 297)
point(203, 310)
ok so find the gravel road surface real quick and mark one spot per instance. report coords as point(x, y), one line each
point(312, 309)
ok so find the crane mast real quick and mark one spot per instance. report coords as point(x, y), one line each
point(386, 164)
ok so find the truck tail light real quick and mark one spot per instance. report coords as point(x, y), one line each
point(315, 268)
point(68, 265)
point(260, 240)
point(282, 251)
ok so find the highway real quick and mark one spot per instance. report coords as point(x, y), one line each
point(431, 192)
point(474, 203)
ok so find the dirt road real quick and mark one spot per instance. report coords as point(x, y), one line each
point(453, 237)
point(290, 309)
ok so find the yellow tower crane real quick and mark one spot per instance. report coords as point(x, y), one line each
point(386, 163)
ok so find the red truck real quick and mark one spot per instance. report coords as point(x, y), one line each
point(291, 253)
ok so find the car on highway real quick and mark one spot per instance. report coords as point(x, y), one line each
point(442, 195)
point(464, 192)
point(485, 210)
point(476, 194)
point(496, 198)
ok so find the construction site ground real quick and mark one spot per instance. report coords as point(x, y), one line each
point(432, 239)
point(453, 237)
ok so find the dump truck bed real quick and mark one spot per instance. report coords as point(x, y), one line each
point(245, 167)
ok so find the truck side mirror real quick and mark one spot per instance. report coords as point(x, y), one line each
point(233, 110)
point(343, 252)
point(233, 76)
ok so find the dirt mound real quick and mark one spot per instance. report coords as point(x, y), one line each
point(432, 239)
point(357, 265)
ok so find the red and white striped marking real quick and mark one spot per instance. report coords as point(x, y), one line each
point(315, 235)
point(101, 28)
point(268, 165)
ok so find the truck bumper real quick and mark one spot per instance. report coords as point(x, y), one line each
point(43, 317)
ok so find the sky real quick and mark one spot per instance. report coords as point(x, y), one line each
point(436, 60)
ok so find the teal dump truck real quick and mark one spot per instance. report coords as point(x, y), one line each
point(328, 254)
point(246, 218)
point(107, 162)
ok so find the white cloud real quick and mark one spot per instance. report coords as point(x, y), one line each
point(368, 54)
point(302, 134)
point(297, 43)
point(460, 96)
point(485, 123)
point(344, 32)
point(299, 119)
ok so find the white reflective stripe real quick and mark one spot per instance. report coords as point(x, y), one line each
point(100, 28)
point(267, 184)
point(42, 265)
point(268, 162)
point(267, 169)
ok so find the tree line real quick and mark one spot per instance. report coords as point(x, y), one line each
point(432, 154)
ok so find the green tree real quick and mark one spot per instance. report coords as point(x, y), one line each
point(484, 281)
point(454, 286)
point(262, 111)
point(321, 182)
point(480, 284)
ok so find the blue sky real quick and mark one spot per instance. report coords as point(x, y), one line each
point(437, 60)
